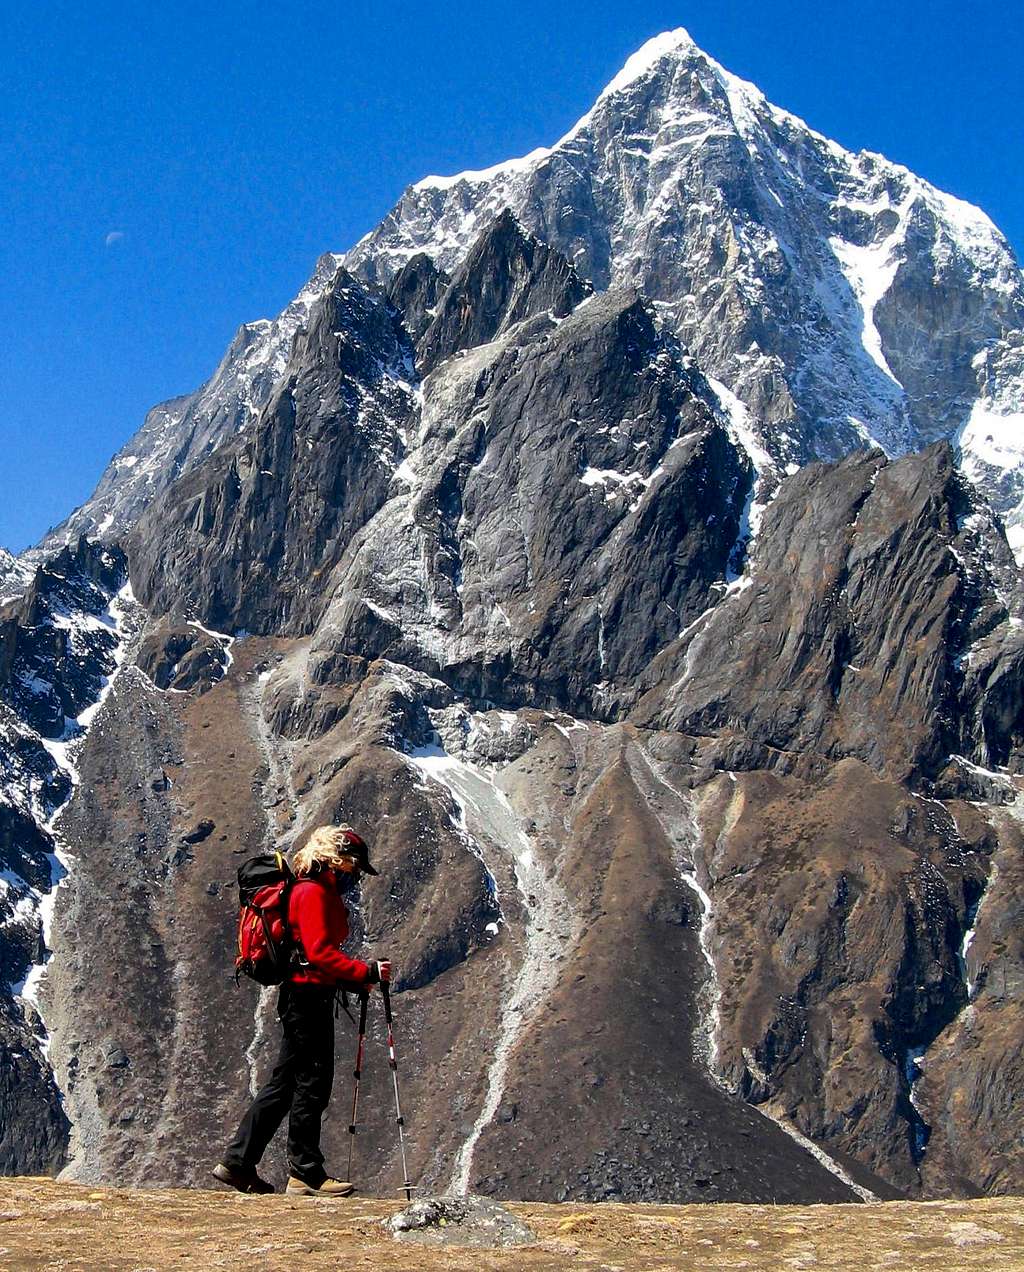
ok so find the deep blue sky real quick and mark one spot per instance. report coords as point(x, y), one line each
point(230, 144)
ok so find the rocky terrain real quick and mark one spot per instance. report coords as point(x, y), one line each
point(59, 645)
point(685, 728)
point(46, 1226)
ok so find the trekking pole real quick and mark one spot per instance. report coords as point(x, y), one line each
point(385, 993)
point(364, 998)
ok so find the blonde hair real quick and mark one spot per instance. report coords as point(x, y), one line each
point(326, 849)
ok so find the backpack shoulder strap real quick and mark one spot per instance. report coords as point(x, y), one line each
point(298, 954)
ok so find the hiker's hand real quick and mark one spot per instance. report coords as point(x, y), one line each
point(379, 971)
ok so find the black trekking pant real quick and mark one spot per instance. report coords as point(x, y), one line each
point(299, 1087)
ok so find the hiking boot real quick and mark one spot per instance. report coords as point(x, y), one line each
point(246, 1181)
point(329, 1188)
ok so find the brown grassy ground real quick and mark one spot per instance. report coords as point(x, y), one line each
point(62, 1226)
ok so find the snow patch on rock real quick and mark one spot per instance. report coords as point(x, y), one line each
point(38, 904)
point(816, 1151)
point(487, 819)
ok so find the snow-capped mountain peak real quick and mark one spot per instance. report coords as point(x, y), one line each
point(674, 43)
point(840, 299)
point(645, 60)
point(844, 300)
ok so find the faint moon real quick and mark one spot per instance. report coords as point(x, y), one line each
point(115, 236)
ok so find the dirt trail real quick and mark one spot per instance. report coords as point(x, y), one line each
point(45, 1225)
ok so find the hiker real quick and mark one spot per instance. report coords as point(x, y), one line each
point(328, 866)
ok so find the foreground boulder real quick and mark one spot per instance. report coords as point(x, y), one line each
point(460, 1221)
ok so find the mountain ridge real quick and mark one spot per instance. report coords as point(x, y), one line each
point(681, 727)
point(881, 399)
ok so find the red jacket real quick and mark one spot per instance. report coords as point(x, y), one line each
point(319, 923)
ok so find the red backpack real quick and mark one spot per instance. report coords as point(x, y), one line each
point(265, 944)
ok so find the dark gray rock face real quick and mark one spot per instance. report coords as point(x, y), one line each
point(602, 436)
point(507, 277)
point(55, 648)
point(571, 502)
point(849, 634)
point(241, 538)
point(33, 1128)
point(415, 290)
point(58, 645)
point(181, 658)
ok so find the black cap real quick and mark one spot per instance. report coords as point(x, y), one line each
point(355, 846)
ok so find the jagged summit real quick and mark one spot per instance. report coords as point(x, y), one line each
point(840, 298)
point(649, 60)
point(514, 276)
point(670, 43)
point(675, 43)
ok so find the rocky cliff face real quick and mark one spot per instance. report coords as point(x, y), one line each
point(566, 505)
point(59, 644)
point(868, 595)
point(506, 278)
point(692, 763)
point(289, 494)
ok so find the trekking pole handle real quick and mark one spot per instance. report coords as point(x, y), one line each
point(385, 993)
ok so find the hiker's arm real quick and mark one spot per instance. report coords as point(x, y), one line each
point(310, 914)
